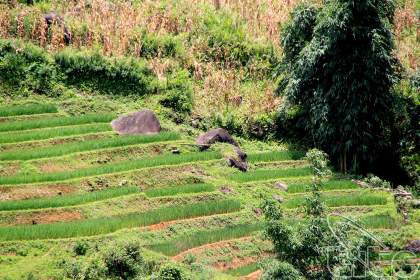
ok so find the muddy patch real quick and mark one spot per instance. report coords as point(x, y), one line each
point(29, 192)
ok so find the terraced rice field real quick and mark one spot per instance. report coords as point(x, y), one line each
point(175, 204)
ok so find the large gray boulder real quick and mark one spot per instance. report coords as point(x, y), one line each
point(205, 140)
point(142, 122)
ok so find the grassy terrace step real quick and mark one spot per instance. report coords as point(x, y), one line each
point(69, 200)
point(55, 121)
point(184, 243)
point(243, 270)
point(48, 133)
point(111, 168)
point(276, 156)
point(111, 224)
point(65, 149)
point(269, 174)
point(379, 221)
point(29, 109)
point(182, 189)
point(326, 186)
point(351, 199)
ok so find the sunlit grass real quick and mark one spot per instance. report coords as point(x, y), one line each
point(181, 189)
point(67, 200)
point(65, 149)
point(325, 186)
point(47, 133)
point(28, 109)
point(351, 199)
point(183, 243)
point(106, 225)
point(111, 168)
point(55, 121)
point(276, 156)
point(269, 174)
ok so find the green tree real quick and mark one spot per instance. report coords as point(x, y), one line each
point(315, 248)
point(337, 74)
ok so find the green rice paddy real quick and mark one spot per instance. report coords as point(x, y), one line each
point(54, 122)
point(65, 149)
point(68, 200)
point(269, 174)
point(106, 225)
point(47, 133)
point(181, 189)
point(276, 156)
point(28, 109)
point(129, 165)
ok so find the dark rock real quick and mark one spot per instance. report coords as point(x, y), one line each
point(34, 222)
point(205, 140)
point(413, 246)
point(241, 165)
point(60, 193)
point(278, 198)
point(241, 154)
point(53, 17)
point(225, 190)
point(281, 186)
point(175, 151)
point(258, 211)
point(142, 122)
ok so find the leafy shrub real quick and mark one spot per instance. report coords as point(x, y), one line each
point(80, 248)
point(24, 66)
point(150, 45)
point(123, 259)
point(261, 127)
point(111, 75)
point(225, 42)
point(377, 182)
point(85, 269)
point(281, 270)
point(171, 272)
point(178, 93)
point(229, 121)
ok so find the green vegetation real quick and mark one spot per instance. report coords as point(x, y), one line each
point(318, 79)
point(110, 168)
point(325, 186)
point(380, 221)
point(276, 156)
point(95, 71)
point(28, 109)
point(269, 174)
point(111, 224)
point(179, 93)
point(182, 189)
point(41, 134)
point(351, 199)
point(68, 200)
point(243, 270)
point(55, 121)
point(181, 244)
point(64, 149)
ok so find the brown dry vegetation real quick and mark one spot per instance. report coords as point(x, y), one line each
point(115, 28)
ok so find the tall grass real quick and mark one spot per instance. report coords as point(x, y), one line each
point(111, 224)
point(96, 144)
point(29, 109)
point(276, 156)
point(41, 134)
point(269, 174)
point(380, 221)
point(181, 189)
point(55, 121)
point(183, 243)
point(111, 168)
point(244, 270)
point(352, 199)
point(69, 200)
point(326, 186)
